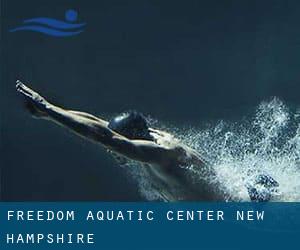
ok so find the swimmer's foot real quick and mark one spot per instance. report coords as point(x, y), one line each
point(263, 188)
point(34, 103)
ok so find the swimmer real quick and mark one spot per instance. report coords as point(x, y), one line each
point(129, 136)
point(262, 188)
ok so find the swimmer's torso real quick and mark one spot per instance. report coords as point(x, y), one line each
point(177, 179)
point(180, 183)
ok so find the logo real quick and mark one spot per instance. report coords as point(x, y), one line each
point(53, 27)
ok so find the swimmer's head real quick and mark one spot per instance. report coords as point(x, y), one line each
point(132, 125)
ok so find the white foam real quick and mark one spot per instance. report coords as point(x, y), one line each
point(268, 142)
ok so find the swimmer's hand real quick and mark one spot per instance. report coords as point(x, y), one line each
point(35, 103)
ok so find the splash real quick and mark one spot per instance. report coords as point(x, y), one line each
point(268, 142)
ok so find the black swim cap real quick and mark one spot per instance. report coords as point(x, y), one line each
point(132, 125)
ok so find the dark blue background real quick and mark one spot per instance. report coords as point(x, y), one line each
point(182, 62)
point(279, 229)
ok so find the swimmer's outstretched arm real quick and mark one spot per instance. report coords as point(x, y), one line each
point(95, 129)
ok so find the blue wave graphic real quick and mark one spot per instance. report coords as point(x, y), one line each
point(53, 27)
point(53, 23)
point(47, 31)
